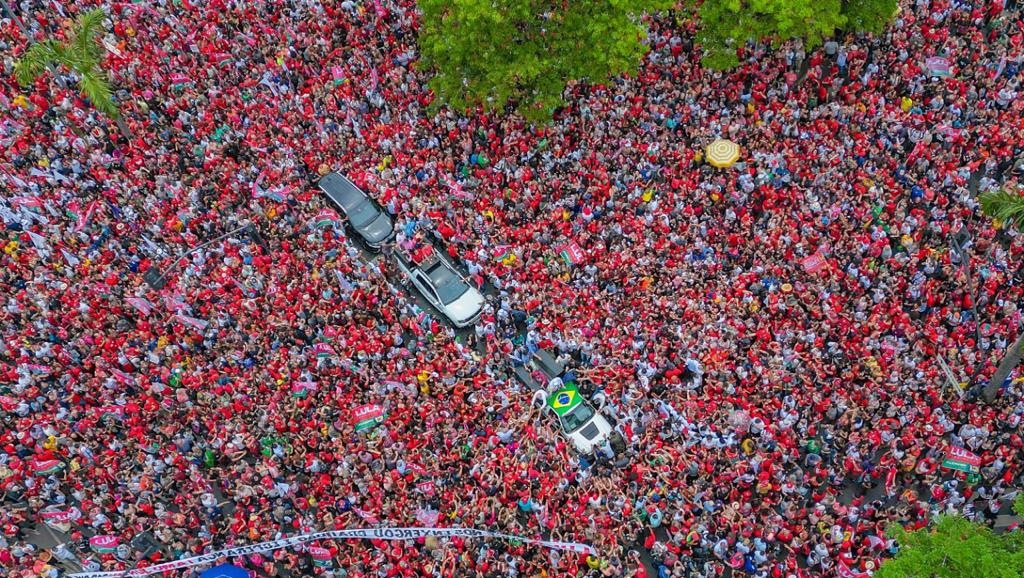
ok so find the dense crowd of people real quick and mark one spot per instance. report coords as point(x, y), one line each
point(772, 338)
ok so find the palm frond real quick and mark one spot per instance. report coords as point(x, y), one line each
point(83, 46)
point(1003, 205)
point(95, 86)
point(35, 60)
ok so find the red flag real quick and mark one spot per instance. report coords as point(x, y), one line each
point(814, 262)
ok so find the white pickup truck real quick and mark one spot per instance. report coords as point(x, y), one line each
point(441, 285)
point(579, 420)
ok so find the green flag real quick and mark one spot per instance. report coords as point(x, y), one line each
point(565, 400)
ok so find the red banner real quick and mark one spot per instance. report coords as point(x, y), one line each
point(814, 263)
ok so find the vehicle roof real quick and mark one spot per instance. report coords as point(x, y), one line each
point(341, 190)
point(441, 273)
point(544, 361)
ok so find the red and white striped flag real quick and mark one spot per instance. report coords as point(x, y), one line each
point(121, 376)
point(455, 187)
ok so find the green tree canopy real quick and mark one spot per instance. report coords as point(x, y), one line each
point(80, 53)
point(490, 52)
point(955, 547)
point(728, 24)
point(1006, 206)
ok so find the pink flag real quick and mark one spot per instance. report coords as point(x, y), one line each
point(84, 218)
point(175, 303)
point(121, 376)
point(30, 202)
point(197, 324)
point(303, 386)
point(141, 304)
point(323, 350)
point(428, 518)
point(370, 518)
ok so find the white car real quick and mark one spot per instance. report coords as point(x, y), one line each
point(585, 427)
point(443, 286)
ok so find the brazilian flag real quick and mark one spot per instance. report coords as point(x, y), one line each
point(565, 400)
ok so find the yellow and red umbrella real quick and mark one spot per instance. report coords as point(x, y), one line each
point(723, 153)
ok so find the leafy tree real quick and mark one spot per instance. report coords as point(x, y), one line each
point(955, 547)
point(81, 54)
point(1007, 207)
point(490, 53)
point(868, 15)
point(727, 25)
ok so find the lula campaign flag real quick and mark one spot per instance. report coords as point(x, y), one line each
point(938, 66)
point(501, 252)
point(343, 281)
point(278, 194)
point(426, 487)
point(39, 242)
point(175, 302)
point(47, 467)
point(59, 519)
point(814, 262)
point(368, 516)
point(427, 517)
point(572, 253)
point(31, 203)
point(121, 376)
point(104, 544)
point(325, 218)
point(844, 571)
point(323, 350)
point(222, 58)
point(178, 79)
point(961, 460)
point(455, 187)
point(302, 388)
point(366, 417)
point(321, 556)
point(70, 258)
point(84, 218)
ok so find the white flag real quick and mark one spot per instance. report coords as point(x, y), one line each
point(39, 241)
point(70, 258)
